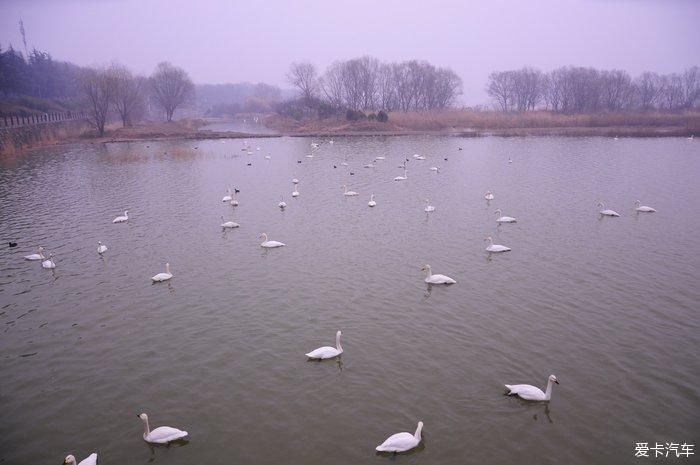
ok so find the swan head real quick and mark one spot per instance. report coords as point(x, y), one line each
point(553, 379)
point(419, 429)
point(41, 249)
point(637, 202)
point(143, 416)
point(69, 460)
point(425, 268)
point(338, 334)
point(263, 236)
point(99, 242)
point(126, 212)
point(498, 211)
point(600, 204)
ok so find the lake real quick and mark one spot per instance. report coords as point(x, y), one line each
point(608, 305)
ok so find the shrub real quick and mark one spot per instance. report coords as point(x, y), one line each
point(382, 116)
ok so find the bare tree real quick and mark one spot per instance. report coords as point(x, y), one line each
point(648, 89)
point(500, 88)
point(691, 87)
point(171, 87)
point(97, 86)
point(129, 100)
point(303, 76)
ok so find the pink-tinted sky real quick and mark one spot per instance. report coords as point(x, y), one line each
point(232, 41)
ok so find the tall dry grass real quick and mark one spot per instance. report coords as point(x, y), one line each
point(469, 119)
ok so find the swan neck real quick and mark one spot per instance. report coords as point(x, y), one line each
point(548, 392)
point(167, 268)
point(428, 271)
point(337, 343)
point(146, 427)
point(418, 431)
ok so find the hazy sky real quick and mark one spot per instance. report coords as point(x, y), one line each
point(232, 41)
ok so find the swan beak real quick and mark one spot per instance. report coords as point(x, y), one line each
point(556, 382)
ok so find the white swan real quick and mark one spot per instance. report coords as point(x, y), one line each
point(49, 264)
point(122, 219)
point(101, 248)
point(380, 158)
point(267, 157)
point(89, 460)
point(495, 248)
point(228, 196)
point(418, 157)
point(401, 442)
point(643, 208)
point(327, 352)
point(296, 191)
point(488, 195)
point(163, 276)
point(36, 256)
point(295, 181)
point(282, 203)
point(160, 435)
point(371, 202)
point(309, 156)
point(234, 202)
point(504, 219)
point(349, 193)
point(428, 208)
point(436, 278)
point(269, 244)
point(228, 224)
point(606, 212)
point(402, 178)
point(527, 392)
point(314, 145)
point(331, 142)
point(435, 168)
point(692, 136)
point(368, 165)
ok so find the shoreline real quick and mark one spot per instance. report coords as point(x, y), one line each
point(188, 130)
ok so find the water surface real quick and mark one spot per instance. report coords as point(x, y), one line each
point(608, 305)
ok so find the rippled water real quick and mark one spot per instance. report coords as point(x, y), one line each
point(608, 305)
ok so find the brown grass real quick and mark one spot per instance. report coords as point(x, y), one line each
point(490, 120)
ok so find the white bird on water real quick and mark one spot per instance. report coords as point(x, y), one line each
point(348, 193)
point(435, 168)
point(269, 244)
point(495, 248)
point(101, 248)
point(528, 392)
point(89, 460)
point(643, 208)
point(122, 219)
point(401, 442)
point(402, 178)
point(605, 211)
point(282, 203)
point(488, 195)
point(49, 264)
point(428, 208)
point(228, 224)
point(295, 181)
point(228, 196)
point(296, 191)
point(163, 276)
point(326, 352)
point(371, 202)
point(162, 434)
point(36, 256)
point(436, 278)
point(504, 219)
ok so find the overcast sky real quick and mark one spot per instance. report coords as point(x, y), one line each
point(232, 41)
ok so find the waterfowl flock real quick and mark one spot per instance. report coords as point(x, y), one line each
point(396, 443)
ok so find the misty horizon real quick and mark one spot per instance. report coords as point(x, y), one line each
point(219, 43)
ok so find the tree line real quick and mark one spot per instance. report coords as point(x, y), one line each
point(588, 90)
point(37, 75)
point(366, 83)
point(102, 91)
